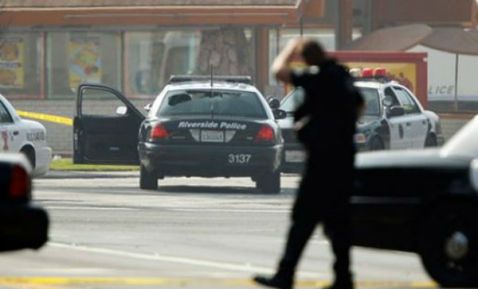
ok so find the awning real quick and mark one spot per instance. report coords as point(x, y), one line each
point(392, 39)
point(455, 40)
point(155, 12)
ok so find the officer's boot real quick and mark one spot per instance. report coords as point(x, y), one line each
point(282, 279)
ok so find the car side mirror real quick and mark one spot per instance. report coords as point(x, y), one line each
point(279, 114)
point(396, 111)
point(121, 110)
point(387, 101)
point(148, 107)
point(274, 103)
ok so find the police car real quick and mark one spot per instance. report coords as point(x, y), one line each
point(423, 201)
point(393, 119)
point(24, 136)
point(197, 126)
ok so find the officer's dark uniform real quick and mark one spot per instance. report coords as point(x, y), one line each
point(331, 106)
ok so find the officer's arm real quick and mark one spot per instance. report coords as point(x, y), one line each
point(281, 65)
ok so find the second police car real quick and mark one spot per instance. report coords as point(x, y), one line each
point(393, 119)
point(28, 137)
point(197, 126)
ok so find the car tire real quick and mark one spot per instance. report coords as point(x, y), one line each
point(447, 245)
point(147, 180)
point(376, 144)
point(29, 153)
point(431, 141)
point(269, 183)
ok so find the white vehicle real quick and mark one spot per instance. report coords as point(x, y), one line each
point(24, 136)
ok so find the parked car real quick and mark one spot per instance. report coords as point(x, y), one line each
point(25, 136)
point(197, 126)
point(22, 225)
point(423, 201)
point(393, 119)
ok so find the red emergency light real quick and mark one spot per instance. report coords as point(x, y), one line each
point(380, 72)
point(367, 73)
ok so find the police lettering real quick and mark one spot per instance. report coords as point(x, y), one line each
point(212, 125)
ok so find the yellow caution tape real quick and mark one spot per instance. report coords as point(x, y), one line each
point(46, 117)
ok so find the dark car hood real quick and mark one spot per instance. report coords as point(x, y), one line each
point(408, 158)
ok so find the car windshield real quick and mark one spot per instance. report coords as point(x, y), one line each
point(372, 101)
point(293, 100)
point(212, 102)
point(371, 97)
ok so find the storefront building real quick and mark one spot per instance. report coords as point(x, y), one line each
point(48, 47)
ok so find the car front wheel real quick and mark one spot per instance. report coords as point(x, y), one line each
point(448, 245)
point(430, 141)
point(269, 183)
point(147, 180)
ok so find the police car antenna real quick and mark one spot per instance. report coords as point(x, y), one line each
point(212, 77)
point(212, 83)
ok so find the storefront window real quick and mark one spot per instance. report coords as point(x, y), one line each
point(278, 38)
point(82, 57)
point(20, 61)
point(152, 57)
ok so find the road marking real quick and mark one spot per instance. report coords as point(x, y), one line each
point(78, 208)
point(173, 259)
point(233, 210)
point(46, 117)
point(182, 282)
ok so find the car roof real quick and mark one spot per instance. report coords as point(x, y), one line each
point(375, 84)
point(207, 85)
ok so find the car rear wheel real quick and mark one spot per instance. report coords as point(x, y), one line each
point(448, 245)
point(147, 180)
point(30, 155)
point(269, 183)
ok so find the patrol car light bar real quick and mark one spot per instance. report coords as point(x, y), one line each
point(374, 74)
point(190, 78)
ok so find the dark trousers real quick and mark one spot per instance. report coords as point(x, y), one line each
point(320, 200)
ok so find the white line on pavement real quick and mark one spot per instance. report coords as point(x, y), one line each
point(249, 268)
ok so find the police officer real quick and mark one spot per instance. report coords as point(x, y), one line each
point(325, 124)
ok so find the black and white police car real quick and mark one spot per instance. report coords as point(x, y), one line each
point(24, 136)
point(393, 119)
point(197, 126)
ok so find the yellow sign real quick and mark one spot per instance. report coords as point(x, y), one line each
point(12, 56)
point(85, 60)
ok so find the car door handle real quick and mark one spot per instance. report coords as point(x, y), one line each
point(16, 132)
point(408, 124)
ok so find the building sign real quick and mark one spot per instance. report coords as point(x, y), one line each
point(12, 57)
point(85, 60)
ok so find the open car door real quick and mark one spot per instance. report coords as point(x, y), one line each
point(105, 128)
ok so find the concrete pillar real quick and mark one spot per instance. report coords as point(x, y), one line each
point(344, 23)
point(262, 57)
